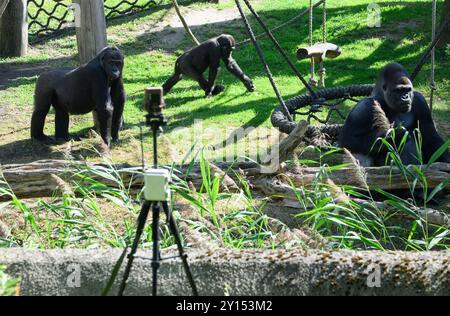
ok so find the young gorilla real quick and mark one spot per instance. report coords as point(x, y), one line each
point(195, 61)
point(96, 86)
point(393, 104)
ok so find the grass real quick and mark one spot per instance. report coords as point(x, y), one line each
point(8, 286)
point(350, 224)
point(403, 37)
point(92, 215)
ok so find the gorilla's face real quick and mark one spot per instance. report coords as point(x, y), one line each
point(227, 44)
point(112, 62)
point(399, 94)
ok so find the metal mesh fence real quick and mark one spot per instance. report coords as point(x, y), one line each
point(49, 17)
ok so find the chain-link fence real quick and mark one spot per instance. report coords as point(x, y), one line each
point(51, 17)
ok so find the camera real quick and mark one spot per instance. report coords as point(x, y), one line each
point(154, 105)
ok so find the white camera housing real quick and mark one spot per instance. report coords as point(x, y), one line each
point(156, 185)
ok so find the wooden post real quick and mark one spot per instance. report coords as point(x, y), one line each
point(13, 28)
point(91, 33)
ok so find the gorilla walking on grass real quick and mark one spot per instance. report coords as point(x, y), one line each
point(94, 87)
point(208, 54)
point(393, 104)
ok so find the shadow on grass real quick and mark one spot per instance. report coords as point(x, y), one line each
point(399, 41)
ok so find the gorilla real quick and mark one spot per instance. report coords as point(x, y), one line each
point(393, 105)
point(208, 54)
point(94, 87)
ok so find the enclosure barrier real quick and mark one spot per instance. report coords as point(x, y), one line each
point(51, 17)
point(236, 272)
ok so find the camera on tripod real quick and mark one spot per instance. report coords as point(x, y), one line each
point(156, 197)
point(156, 180)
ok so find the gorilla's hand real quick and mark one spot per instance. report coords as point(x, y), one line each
point(249, 84)
point(215, 91)
point(218, 89)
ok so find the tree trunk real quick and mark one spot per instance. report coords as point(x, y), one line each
point(43, 178)
point(13, 29)
point(446, 37)
point(91, 33)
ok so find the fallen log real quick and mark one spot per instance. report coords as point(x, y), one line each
point(43, 178)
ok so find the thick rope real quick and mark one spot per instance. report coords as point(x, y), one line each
point(280, 121)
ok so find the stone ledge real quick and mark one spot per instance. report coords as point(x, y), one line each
point(248, 272)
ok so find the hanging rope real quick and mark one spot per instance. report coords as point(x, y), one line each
point(279, 48)
point(433, 56)
point(263, 60)
point(427, 53)
point(312, 80)
point(185, 25)
point(322, 70)
point(279, 27)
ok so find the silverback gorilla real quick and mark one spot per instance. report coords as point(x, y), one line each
point(96, 86)
point(208, 54)
point(393, 104)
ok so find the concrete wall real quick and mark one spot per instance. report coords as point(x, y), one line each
point(85, 272)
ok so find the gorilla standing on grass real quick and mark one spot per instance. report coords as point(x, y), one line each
point(195, 61)
point(393, 104)
point(94, 87)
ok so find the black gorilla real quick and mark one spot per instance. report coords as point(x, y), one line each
point(393, 104)
point(96, 86)
point(208, 54)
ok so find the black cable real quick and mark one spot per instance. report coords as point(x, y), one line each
point(263, 60)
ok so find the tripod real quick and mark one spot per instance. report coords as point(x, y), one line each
point(155, 121)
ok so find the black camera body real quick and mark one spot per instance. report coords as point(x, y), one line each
point(154, 105)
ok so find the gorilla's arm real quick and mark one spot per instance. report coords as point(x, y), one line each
point(213, 71)
point(103, 108)
point(233, 67)
point(430, 137)
point(363, 126)
point(118, 101)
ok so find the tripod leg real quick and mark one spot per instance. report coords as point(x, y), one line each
point(156, 254)
point(142, 218)
point(174, 229)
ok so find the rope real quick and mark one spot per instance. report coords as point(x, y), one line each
point(312, 80)
point(185, 25)
point(280, 49)
point(263, 60)
point(281, 26)
point(322, 70)
point(336, 93)
point(433, 56)
point(427, 53)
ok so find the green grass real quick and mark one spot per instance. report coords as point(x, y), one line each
point(8, 286)
point(403, 37)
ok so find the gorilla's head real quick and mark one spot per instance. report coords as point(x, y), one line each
point(111, 60)
point(227, 44)
point(397, 88)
